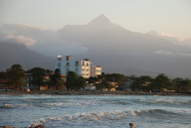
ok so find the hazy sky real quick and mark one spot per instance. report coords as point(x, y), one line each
point(172, 17)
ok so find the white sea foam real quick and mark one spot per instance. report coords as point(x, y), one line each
point(97, 111)
point(114, 115)
point(7, 106)
point(55, 104)
point(166, 100)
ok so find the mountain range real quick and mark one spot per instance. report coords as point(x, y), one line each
point(110, 45)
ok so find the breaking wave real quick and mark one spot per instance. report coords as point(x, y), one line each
point(166, 101)
point(116, 115)
point(11, 106)
point(96, 111)
point(6, 106)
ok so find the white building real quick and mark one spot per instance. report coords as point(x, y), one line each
point(96, 70)
point(82, 67)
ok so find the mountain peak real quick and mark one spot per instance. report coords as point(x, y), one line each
point(100, 20)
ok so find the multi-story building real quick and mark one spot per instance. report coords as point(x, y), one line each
point(96, 70)
point(82, 67)
point(60, 64)
point(64, 64)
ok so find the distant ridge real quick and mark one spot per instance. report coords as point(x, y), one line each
point(12, 53)
point(117, 49)
point(100, 20)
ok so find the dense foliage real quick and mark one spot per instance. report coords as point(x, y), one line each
point(111, 80)
point(160, 83)
point(37, 76)
point(74, 82)
point(56, 81)
point(16, 77)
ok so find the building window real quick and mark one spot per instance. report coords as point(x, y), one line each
point(83, 63)
point(76, 63)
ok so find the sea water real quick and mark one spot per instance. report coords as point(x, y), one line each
point(92, 111)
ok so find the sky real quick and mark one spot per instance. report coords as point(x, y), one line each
point(170, 17)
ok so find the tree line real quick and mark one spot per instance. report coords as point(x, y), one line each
point(17, 78)
point(161, 83)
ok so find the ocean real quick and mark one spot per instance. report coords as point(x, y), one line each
point(96, 111)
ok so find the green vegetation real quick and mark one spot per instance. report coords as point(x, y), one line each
point(142, 83)
point(161, 83)
point(37, 76)
point(74, 82)
point(56, 81)
point(109, 81)
point(17, 78)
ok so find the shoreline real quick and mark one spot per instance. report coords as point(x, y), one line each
point(56, 92)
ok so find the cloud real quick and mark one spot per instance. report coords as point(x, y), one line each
point(163, 52)
point(164, 35)
point(32, 27)
point(170, 53)
point(21, 39)
point(168, 35)
point(185, 54)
